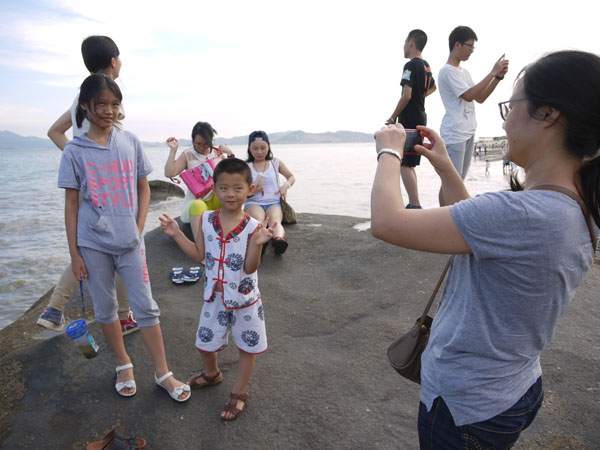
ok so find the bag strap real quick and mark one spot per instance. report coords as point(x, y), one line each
point(276, 174)
point(577, 198)
point(435, 291)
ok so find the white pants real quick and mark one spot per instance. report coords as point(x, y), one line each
point(247, 327)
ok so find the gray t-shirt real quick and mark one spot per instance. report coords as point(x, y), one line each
point(107, 179)
point(530, 251)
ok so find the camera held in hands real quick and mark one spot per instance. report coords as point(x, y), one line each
point(413, 137)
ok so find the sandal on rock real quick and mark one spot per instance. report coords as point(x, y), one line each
point(231, 406)
point(127, 384)
point(192, 275)
point(177, 275)
point(280, 245)
point(208, 381)
point(115, 440)
point(175, 393)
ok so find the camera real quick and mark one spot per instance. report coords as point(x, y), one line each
point(413, 137)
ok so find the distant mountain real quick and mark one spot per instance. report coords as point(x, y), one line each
point(301, 137)
point(291, 137)
point(9, 140)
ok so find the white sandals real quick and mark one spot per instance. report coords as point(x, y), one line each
point(127, 384)
point(175, 393)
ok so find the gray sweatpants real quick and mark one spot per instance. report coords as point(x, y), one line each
point(67, 284)
point(460, 154)
point(131, 267)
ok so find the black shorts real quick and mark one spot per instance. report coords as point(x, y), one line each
point(411, 159)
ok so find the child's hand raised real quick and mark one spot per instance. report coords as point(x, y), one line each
point(263, 234)
point(168, 225)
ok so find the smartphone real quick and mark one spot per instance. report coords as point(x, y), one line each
point(413, 137)
point(260, 179)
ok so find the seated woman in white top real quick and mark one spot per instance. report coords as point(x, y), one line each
point(265, 202)
point(203, 150)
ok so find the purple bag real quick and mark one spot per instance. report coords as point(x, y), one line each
point(199, 180)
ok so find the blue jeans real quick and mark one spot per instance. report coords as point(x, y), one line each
point(437, 429)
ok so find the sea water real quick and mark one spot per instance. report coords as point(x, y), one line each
point(330, 179)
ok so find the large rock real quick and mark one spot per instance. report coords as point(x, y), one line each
point(333, 303)
point(161, 190)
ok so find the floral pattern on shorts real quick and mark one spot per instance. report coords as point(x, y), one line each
point(251, 338)
point(231, 304)
point(260, 313)
point(205, 334)
point(225, 318)
point(246, 325)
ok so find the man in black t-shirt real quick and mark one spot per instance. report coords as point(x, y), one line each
point(417, 83)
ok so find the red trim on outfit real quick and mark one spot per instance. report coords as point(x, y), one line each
point(216, 222)
point(250, 353)
point(217, 351)
point(227, 346)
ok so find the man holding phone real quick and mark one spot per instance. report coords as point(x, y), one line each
point(458, 91)
point(417, 83)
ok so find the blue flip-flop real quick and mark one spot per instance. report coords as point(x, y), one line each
point(177, 275)
point(192, 275)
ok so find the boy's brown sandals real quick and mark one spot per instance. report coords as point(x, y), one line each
point(231, 406)
point(196, 380)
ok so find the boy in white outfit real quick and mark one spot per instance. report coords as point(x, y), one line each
point(231, 242)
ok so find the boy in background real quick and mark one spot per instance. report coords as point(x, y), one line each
point(417, 83)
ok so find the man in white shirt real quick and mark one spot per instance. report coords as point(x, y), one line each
point(458, 92)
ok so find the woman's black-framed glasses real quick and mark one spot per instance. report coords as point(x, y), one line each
point(505, 107)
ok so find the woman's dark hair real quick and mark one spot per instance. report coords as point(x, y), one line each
point(460, 34)
point(205, 131)
point(569, 81)
point(98, 52)
point(91, 88)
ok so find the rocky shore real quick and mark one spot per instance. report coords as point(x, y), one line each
point(333, 303)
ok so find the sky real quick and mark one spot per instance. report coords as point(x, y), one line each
point(315, 66)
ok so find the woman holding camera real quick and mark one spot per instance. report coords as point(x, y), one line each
point(507, 286)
